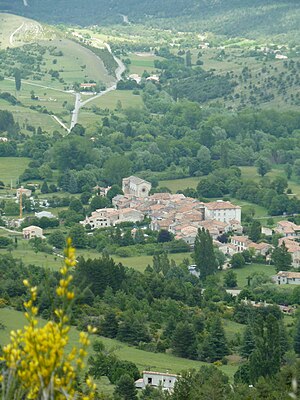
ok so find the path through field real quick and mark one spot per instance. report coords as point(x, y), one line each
point(11, 38)
point(78, 103)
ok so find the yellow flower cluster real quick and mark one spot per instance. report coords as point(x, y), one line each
point(36, 359)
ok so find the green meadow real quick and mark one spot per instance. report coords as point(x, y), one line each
point(144, 360)
point(11, 168)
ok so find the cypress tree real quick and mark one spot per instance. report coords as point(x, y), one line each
point(44, 188)
point(265, 359)
point(297, 337)
point(204, 255)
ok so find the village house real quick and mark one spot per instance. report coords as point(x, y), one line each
point(223, 211)
point(293, 248)
point(287, 278)
point(241, 243)
point(287, 229)
point(105, 217)
point(157, 379)
point(266, 231)
point(227, 249)
point(262, 248)
point(25, 192)
point(188, 234)
point(101, 191)
point(32, 232)
point(136, 186)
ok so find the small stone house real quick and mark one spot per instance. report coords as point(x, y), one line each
point(32, 232)
point(287, 278)
point(157, 379)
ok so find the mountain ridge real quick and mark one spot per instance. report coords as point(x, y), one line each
point(226, 17)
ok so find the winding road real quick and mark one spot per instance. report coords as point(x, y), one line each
point(11, 38)
point(78, 103)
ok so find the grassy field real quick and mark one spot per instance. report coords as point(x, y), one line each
point(144, 360)
point(243, 273)
point(48, 98)
point(109, 101)
point(11, 168)
point(251, 173)
point(76, 64)
point(138, 263)
point(180, 184)
point(32, 30)
point(142, 62)
point(127, 98)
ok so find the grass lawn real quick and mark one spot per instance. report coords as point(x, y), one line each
point(180, 184)
point(11, 168)
point(243, 273)
point(25, 253)
point(138, 263)
point(144, 360)
point(109, 100)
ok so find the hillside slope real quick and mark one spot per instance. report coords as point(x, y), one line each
point(230, 17)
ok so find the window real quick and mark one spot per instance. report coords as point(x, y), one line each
point(149, 381)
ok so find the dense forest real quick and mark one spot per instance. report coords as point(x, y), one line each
point(234, 17)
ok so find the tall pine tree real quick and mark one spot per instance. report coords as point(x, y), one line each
point(215, 345)
point(204, 255)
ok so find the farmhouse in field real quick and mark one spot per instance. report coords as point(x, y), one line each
point(287, 278)
point(136, 186)
point(32, 232)
point(157, 379)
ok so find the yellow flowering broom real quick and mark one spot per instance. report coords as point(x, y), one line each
point(36, 364)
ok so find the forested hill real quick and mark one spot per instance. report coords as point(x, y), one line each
point(229, 17)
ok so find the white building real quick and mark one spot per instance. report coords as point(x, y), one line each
point(222, 211)
point(105, 217)
point(32, 232)
point(241, 243)
point(136, 186)
point(46, 214)
point(157, 379)
point(287, 278)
